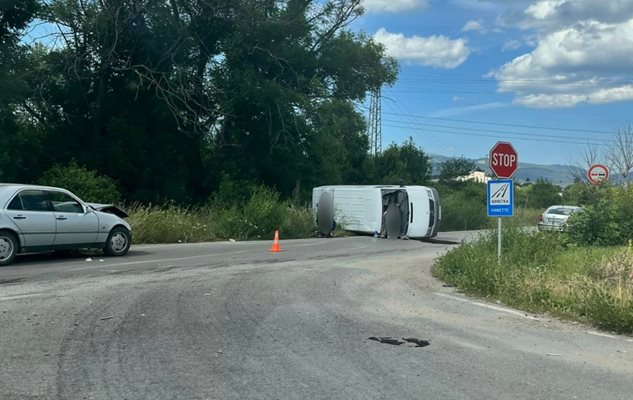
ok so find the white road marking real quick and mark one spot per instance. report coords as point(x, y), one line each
point(21, 296)
point(601, 334)
point(489, 306)
point(518, 313)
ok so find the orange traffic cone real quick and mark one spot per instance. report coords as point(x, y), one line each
point(276, 248)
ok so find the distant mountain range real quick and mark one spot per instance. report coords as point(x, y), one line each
point(556, 173)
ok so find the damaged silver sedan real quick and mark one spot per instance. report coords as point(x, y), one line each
point(40, 218)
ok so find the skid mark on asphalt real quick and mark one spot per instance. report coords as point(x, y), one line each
point(168, 260)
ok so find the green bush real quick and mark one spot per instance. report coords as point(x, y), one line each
point(170, 224)
point(463, 206)
point(460, 212)
point(229, 223)
point(232, 192)
point(540, 273)
point(89, 185)
point(595, 225)
point(173, 224)
point(623, 200)
point(299, 223)
point(264, 212)
point(543, 194)
point(583, 194)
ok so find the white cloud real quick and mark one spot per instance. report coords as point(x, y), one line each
point(543, 100)
point(393, 6)
point(559, 13)
point(479, 5)
point(432, 51)
point(587, 61)
point(511, 44)
point(475, 26)
point(454, 111)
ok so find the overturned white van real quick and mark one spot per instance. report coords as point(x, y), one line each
point(388, 211)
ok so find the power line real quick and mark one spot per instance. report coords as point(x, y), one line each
point(490, 136)
point(503, 124)
point(527, 134)
point(431, 140)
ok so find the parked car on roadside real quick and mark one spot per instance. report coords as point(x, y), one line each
point(555, 217)
point(39, 218)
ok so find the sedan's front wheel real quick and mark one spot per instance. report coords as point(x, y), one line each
point(119, 242)
point(8, 248)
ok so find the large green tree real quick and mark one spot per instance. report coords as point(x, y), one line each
point(173, 98)
point(19, 145)
point(406, 164)
point(543, 194)
point(455, 168)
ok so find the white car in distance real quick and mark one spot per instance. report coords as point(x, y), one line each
point(555, 217)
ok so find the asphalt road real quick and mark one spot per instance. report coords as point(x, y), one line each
point(233, 321)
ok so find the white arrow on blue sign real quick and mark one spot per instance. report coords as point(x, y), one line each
point(500, 198)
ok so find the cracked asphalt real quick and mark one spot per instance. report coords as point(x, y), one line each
point(233, 321)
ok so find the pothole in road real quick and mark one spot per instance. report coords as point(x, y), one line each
point(404, 342)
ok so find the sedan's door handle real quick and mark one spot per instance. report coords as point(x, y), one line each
point(19, 217)
point(61, 218)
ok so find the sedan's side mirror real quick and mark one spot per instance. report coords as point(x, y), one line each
point(87, 209)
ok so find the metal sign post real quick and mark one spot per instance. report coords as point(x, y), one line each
point(500, 204)
point(503, 161)
point(499, 238)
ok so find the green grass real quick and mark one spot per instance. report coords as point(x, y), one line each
point(524, 217)
point(460, 214)
point(541, 273)
point(171, 223)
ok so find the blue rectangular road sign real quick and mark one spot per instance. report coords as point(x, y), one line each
point(500, 198)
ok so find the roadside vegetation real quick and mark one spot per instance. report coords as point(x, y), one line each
point(256, 218)
point(464, 205)
point(584, 273)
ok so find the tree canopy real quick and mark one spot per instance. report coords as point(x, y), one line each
point(173, 98)
point(455, 168)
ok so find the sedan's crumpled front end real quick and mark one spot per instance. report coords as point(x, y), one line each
point(109, 208)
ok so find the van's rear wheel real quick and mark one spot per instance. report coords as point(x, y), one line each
point(8, 248)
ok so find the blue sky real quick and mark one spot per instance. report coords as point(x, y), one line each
point(477, 71)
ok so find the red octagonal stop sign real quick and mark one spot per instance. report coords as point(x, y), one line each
point(503, 160)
